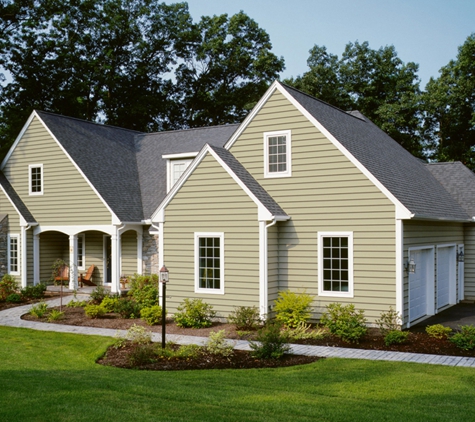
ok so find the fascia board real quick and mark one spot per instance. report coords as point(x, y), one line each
point(251, 115)
point(401, 211)
point(17, 140)
point(115, 219)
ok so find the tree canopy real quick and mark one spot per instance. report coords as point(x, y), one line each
point(449, 102)
point(375, 82)
point(138, 64)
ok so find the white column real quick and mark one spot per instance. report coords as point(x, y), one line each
point(24, 257)
point(139, 252)
point(400, 269)
point(115, 262)
point(73, 262)
point(36, 259)
point(160, 260)
point(263, 288)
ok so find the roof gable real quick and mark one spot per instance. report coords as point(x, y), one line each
point(16, 201)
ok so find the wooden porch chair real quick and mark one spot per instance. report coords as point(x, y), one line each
point(63, 274)
point(87, 278)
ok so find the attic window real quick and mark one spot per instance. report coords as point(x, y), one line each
point(176, 166)
point(277, 154)
point(35, 179)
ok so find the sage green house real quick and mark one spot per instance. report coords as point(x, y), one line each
point(307, 197)
point(300, 196)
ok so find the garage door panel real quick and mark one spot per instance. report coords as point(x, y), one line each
point(419, 283)
point(445, 275)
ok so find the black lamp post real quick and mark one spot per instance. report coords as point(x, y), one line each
point(164, 280)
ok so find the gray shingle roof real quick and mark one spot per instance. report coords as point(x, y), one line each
point(458, 180)
point(153, 168)
point(106, 155)
point(125, 166)
point(20, 206)
point(405, 176)
point(259, 192)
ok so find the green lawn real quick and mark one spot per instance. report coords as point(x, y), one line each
point(48, 376)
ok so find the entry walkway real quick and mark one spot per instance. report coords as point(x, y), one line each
point(12, 318)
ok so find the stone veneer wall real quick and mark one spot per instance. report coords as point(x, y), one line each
point(3, 246)
point(150, 253)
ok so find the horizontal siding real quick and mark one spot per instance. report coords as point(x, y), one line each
point(95, 254)
point(427, 233)
point(326, 192)
point(7, 208)
point(129, 253)
point(53, 246)
point(203, 205)
point(469, 264)
point(67, 198)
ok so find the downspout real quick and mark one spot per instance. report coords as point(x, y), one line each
point(264, 282)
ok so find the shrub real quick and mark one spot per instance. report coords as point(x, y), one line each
point(127, 308)
point(109, 303)
point(13, 298)
point(55, 315)
point(271, 342)
point(389, 321)
point(38, 310)
point(151, 315)
point(438, 331)
point(293, 308)
point(245, 318)
point(34, 292)
point(194, 313)
point(146, 296)
point(94, 311)
point(465, 338)
point(98, 294)
point(345, 322)
point(138, 281)
point(395, 337)
point(8, 286)
point(76, 304)
point(138, 335)
point(304, 332)
point(217, 344)
point(142, 354)
point(186, 351)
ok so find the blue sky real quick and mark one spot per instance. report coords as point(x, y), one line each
point(427, 32)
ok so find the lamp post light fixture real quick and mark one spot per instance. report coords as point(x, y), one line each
point(164, 280)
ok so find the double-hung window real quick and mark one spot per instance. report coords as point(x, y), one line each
point(335, 264)
point(14, 254)
point(209, 263)
point(35, 179)
point(277, 154)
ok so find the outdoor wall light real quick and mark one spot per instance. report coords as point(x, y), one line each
point(411, 266)
point(460, 256)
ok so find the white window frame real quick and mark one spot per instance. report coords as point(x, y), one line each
point(171, 167)
point(321, 291)
point(18, 251)
point(30, 179)
point(198, 236)
point(81, 256)
point(288, 171)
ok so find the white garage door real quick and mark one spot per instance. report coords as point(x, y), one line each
point(420, 283)
point(445, 276)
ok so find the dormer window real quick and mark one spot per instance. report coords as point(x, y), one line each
point(176, 166)
point(277, 154)
point(35, 179)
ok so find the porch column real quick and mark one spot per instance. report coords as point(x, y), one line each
point(263, 284)
point(115, 262)
point(36, 259)
point(139, 253)
point(161, 259)
point(24, 256)
point(73, 262)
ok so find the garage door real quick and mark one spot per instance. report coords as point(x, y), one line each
point(420, 283)
point(445, 276)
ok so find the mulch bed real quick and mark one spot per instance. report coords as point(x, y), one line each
point(417, 343)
